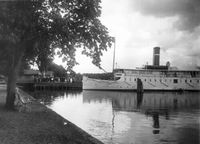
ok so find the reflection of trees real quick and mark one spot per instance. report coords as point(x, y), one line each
point(47, 97)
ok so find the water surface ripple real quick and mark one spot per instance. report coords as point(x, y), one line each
point(125, 118)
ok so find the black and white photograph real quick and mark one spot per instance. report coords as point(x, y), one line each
point(99, 71)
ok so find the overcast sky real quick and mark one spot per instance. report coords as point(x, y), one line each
point(140, 25)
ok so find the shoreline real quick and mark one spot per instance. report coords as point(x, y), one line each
point(36, 123)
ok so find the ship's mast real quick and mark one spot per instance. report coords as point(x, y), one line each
point(114, 54)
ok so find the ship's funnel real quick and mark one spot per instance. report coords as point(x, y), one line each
point(156, 56)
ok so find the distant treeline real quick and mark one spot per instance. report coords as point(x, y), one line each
point(102, 76)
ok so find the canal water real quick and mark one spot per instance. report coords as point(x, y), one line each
point(125, 118)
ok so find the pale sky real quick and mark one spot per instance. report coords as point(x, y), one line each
point(140, 25)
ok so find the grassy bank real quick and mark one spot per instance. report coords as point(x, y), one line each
point(39, 125)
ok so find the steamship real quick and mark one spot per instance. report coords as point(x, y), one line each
point(153, 77)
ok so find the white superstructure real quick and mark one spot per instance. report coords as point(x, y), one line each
point(153, 77)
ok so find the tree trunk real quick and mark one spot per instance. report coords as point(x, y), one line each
point(15, 63)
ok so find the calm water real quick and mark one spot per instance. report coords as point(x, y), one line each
point(125, 118)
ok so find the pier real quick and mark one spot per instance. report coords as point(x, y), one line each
point(57, 85)
point(41, 86)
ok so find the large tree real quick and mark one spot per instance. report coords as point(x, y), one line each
point(31, 30)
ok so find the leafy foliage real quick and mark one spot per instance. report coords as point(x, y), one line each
point(36, 28)
point(31, 30)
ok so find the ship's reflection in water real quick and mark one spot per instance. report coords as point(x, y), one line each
point(127, 118)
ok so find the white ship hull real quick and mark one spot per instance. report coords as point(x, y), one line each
point(162, 84)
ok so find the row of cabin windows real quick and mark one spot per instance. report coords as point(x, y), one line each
point(174, 80)
point(164, 73)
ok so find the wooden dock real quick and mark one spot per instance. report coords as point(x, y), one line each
point(57, 86)
point(42, 86)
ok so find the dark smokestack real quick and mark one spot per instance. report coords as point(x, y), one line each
point(156, 56)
